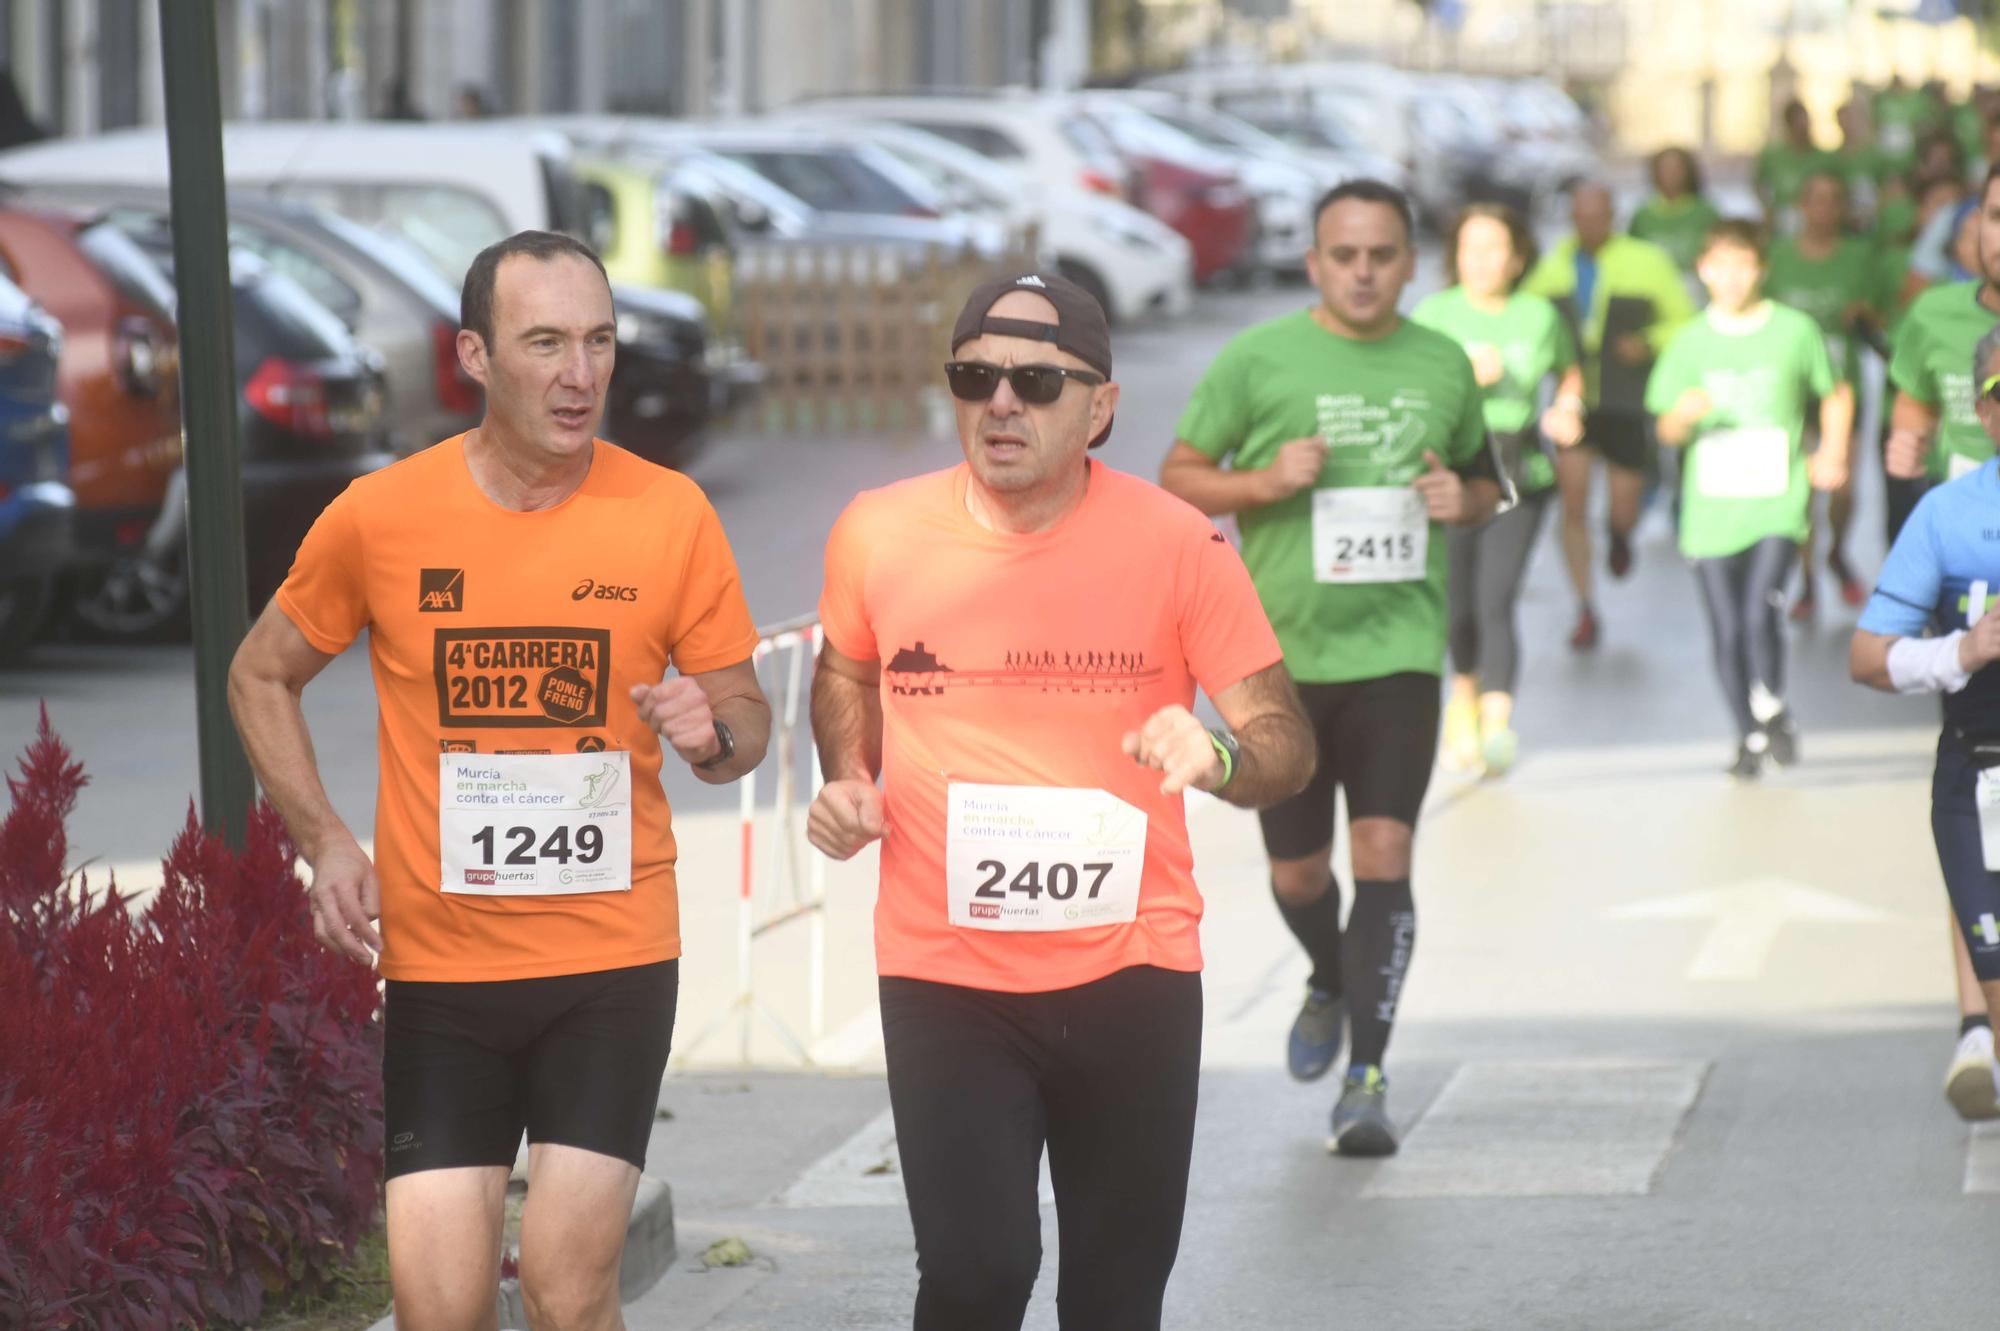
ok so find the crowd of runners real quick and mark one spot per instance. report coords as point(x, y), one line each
point(1387, 477)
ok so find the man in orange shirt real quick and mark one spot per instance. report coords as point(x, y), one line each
point(1012, 647)
point(524, 587)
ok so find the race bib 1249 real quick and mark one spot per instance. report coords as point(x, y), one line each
point(535, 824)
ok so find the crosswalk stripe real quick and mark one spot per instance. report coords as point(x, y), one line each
point(1982, 1159)
point(1572, 1128)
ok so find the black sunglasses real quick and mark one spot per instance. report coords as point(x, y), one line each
point(1037, 385)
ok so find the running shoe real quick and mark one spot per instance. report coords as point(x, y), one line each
point(1619, 560)
point(1314, 1045)
point(1781, 733)
point(1498, 750)
point(1584, 636)
point(1806, 608)
point(1461, 736)
point(1749, 764)
point(1968, 1082)
point(1851, 590)
point(1361, 1124)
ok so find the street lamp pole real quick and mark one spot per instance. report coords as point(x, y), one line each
point(213, 456)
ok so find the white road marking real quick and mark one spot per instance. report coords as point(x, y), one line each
point(865, 1171)
point(1748, 917)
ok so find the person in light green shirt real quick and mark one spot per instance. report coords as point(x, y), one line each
point(1732, 389)
point(1934, 432)
point(1902, 116)
point(1345, 439)
point(1624, 300)
point(1783, 166)
point(1677, 215)
point(1834, 278)
point(1517, 343)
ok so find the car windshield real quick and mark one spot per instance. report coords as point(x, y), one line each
point(128, 267)
point(275, 317)
point(833, 180)
point(402, 260)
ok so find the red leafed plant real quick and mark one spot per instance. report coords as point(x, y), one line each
point(190, 1100)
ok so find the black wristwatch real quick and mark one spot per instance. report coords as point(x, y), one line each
point(1227, 749)
point(723, 754)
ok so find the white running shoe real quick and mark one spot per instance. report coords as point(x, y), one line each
point(1972, 1083)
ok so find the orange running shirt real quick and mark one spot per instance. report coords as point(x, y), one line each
point(1023, 661)
point(493, 631)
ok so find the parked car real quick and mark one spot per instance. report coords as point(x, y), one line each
point(450, 190)
point(1280, 192)
point(850, 192)
point(118, 378)
point(392, 301)
point(1131, 261)
point(1046, 136)
point(37, 510)
point(652, 232)
point(310, 421)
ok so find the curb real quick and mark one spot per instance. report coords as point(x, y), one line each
point(650, 1248)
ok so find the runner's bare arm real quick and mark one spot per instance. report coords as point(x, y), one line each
point(271, 669)
point(1868, 659)
point(1193, 475)
point(1912, 426)
point(683, 712)
point(1275, 742)
point(1836, 439)
point(847, 726)
point(1975, 649)
point(847, 716)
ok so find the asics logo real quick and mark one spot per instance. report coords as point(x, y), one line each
point(590, 589)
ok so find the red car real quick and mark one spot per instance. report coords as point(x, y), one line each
point(119, 377)
point(1195, 191)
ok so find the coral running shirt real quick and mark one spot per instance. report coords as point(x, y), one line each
point(492, 631)
point(1023, 660)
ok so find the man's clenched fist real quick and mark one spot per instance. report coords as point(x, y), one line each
point(1173, 741)
point(678, 711)
point(846, 816)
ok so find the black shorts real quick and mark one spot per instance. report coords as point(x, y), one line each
point(574, 1059)
point(1975, 892)
point(1622, 438)
point(1377, 740)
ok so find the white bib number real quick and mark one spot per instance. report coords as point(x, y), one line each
point(1988, 795)
point(1041, 858)
point(537, 824)
point(1744, 464)
point(1370, 534)
point(1958, 464)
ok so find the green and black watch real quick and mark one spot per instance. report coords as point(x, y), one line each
point(1227, 749)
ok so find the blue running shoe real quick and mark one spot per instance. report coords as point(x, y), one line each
point(1361, 1124)
point(1316, 1036)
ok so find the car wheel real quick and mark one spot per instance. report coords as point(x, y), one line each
point(140, 597)
point(23, 604)
point(1086, 277)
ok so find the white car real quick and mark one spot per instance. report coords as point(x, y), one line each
point(1132, 262)
point(448, 190)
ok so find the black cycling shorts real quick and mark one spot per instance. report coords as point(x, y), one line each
point(1975, 892)
point(1377, 740)
point(1621, 438)
point(576, 1060)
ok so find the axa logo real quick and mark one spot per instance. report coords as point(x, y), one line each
point(440, 589)
point(591, 590)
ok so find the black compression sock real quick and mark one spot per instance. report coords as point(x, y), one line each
point(1972, 1022)
point(1381, 934)
point(1317, 927)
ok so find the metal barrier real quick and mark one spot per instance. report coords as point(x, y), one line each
point(800, 877)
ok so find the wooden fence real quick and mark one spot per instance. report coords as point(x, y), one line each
point(855, 338)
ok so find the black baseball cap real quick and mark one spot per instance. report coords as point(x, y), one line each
point(1080, 328)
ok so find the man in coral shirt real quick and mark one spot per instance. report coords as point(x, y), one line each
point(524, 588)
point(1012, 648)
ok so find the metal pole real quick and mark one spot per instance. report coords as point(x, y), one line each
point(208, 402)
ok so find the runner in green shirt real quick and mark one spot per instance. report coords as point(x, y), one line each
point(1517, 342)
point(1902, 115)
point(1934, 432)
point(1677, 216)
point(1783, 166)
point(1733, 389)
point(1835, 278)
point(1352, 437)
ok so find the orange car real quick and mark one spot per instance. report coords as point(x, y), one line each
point(119, 377)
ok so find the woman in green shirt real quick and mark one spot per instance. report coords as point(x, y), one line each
point(1515, 342)
point(1677, 215)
